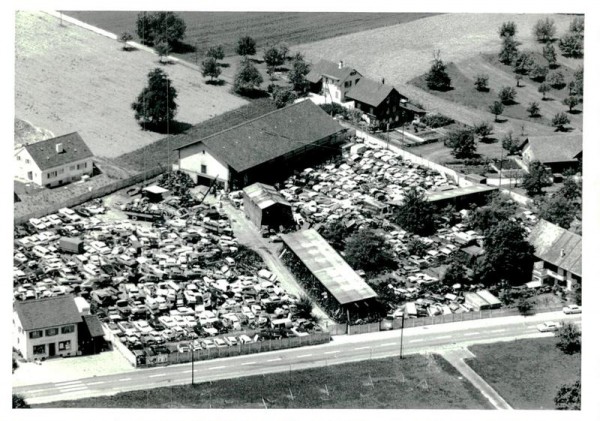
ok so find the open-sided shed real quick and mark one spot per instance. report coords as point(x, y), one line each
point(264, 205)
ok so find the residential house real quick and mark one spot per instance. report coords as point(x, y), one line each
point(54, 162)
point(558, 152)
point(265, 149)
point(332, 80)
point(559, 254)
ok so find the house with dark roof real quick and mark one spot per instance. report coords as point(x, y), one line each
point(558, 152)
point(46, 328)
point(559, 255)
point(332, 80)
point(265, 149)
point(54, 162)
point(382, 104)
point(265, 206)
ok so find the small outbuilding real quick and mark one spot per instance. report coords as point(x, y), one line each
point(155, 194)
point(265, 206)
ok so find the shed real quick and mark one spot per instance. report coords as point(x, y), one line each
point(476, 301)
point(493, 302)
point(265, 206)
point(154, 193)
point(71, 245)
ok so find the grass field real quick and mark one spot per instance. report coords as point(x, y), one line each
point(526, 373)
point(70, 79)
point(205, 29)
point(415, 383)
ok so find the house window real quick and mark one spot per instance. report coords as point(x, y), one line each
point(18, 157)
point(203, 152)
point(72, 167)
point(29, 175)
point(64, 345)
point(36, 334)
point(39, 349)
point(67, 329)
point(337, 94)
point(27, 161)
point(52, 332)
point(397, 118)
point(371, 110)
point(203, 169)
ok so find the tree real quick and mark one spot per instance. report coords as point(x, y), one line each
point(549, 53)
point(544, 30)
point(416, 247)
point(569, 338)
point(571, 45)
point(571, 189)
point(156, 105)
point(537, 178)
point(304, 307)
point(481, 83)
point(216, 52)
point(507, 29)
point(247, 78)
point(496, 108)
point(155, 27)
point(162, 49)
point(525, 307)
point(18, 402)
point(524, 63)
point(210, 68)
point(462, 142)
point(578, 82)
point(297, 74)
point(558, 210)
point(336, 233)
point(437, 78)
point(507, 95)
point(538, 73)
point(508, 255)
point(533, 109)
point(510, 143)
point(577, 26)
point(455, 273)
point(518, 78)
point(125, 38)
point(273, 58)
point(571, 102)
point(283, 96)
point(568, 397)
point(509, 51)
point(483, 130)
point(544, 88)
point(369, 251)
point(556, 79)
point(499, 208)
point(246, 46)
point(560, 120)
point(415, 214)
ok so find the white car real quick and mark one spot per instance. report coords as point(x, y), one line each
point(572, 309)
point(548, 327)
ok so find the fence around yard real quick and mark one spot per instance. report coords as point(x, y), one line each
point(343, 329)
point(126, 352)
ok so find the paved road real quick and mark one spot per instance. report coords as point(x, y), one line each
point(341, 350)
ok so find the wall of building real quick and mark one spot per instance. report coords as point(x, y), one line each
point(25, 344)
point(67, 173)
point(193, 157)
point(337, 90)
point(24, 165)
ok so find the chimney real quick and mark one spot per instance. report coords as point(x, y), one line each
point(383, 81)
point(341, 64)
point(59, 148)
point(562, 252)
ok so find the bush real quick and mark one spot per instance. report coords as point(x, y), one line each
point(556, 80)
point(538, 73)
point(571, 45)
point(569, 338)
point(507, 95)
point(544, 30)
point(334, 109)
point(481, 83)
point(436, 120)
point(525, 307)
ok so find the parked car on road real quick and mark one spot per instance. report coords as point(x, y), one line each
point(548, 326)
point(572, 309)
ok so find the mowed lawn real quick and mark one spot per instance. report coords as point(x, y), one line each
point(205, 29)
point(527, 373)
point(70, 79)
point(417, 382)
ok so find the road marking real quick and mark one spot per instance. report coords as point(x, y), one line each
point(249, 363)
point(497, 330)
point(187, 371)
point(217, 368)
point(158, 375)
point(391, 343)
point(302, 356)
point(75, 389)
point(417, 340)
point(362, 347)
point(443, 337)
point(67, 383)
point(89, 384)
point(74, 386)
point(274, 359)
point(471, 333)
point(124, 380)
point(331, 352)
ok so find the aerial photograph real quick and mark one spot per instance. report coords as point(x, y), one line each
point(297, 210)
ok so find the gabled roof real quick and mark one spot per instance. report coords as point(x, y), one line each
point(557, 246)
point(330, 69)
point(557, 148)
point(264, 195)
point(45, 156)
point(370, 92)
point(47, 312)
point(271, 135)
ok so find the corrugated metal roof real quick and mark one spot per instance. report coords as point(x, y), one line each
point(462, 191)
point(264, 195)
point(328, 266)
point(557, 246)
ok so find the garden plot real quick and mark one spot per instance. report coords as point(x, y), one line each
point(182, 277)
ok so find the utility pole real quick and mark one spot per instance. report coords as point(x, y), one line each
point(402, 335)
point(192, 349)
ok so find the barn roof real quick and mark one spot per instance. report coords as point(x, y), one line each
point(370, 92)
point(264, 195)
point(47, 312)
point(328, 266)
point(330, 69)
point(45, 156)
point(557, 148)
point(271, 135)
point(557, 246)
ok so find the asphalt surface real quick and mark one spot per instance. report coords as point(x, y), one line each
point(341, 349)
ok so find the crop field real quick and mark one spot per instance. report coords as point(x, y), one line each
point(205, 29)
point(417, 382)
point(526, 373)
point(69, 79)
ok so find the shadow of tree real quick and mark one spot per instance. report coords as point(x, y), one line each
point(183, 48)
point(174, 127)
point(215, 82)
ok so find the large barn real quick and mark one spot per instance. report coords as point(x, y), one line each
point(265, 149)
